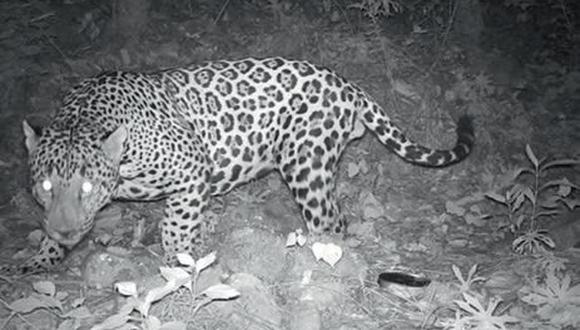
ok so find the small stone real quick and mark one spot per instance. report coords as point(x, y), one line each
point(305, 316)
point(255, 302)
point(102, 269)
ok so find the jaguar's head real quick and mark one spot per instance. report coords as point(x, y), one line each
point(73, 177)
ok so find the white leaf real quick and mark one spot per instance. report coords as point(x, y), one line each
point(152, 323)
point(67, 325)
point(564, 190)
point(77, 302)
point(221, 292)
point(306, 277)
point(329, 253)
point(156, 294)
point(174, 273)
point(78, 313)
point(44, 287)
point(112, 322)
point(496, 197)
point(291, 239)
point(35, 237)
point(174, 325)
point(185, 259)
point(474, 219)
point(300, 239)
point(352, 169)
point(531, 156)
point(126, 288)
point(205, 262)
point(404, 89)
point(371, 207)
point(454, 208)
point(26, 305)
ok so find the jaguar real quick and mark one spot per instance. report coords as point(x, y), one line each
point(187, 134)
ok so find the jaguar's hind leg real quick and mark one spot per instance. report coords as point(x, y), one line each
point(311, 178)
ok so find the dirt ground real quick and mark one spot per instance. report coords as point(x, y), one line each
point(500, 247)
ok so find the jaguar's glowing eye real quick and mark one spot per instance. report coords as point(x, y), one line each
point(87, 187)
point(46, 185)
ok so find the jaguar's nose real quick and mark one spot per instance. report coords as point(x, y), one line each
point(67, 238)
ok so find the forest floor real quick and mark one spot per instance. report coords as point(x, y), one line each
point(491, 263)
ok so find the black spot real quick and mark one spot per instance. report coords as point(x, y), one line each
point(316, 221)
point(308, 215)
point(316, 183)
point(393, 145)
point(329, 123)
point(225, 162)
point(287, 122)
point(262, 173)
point(135, 190)
point(302, 193)
point(318, 150)
point(316, 164)
point(218, 177)
point(236, 170)
point(300, 134)
point(313, 203)
point(248, 155)
point(262, 149)
point(303, 175)
point(329, 143)
point(316, 132)
point(380, 130)
point(226, 187)
point(316, 115)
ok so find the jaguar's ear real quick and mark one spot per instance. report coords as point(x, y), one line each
point(114, 144)
point(31, 137)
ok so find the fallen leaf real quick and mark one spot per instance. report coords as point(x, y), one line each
point(329, 253)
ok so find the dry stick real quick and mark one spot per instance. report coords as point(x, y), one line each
point(352, 28)
point(12, 314)
point(39, 18)
point(219, 15)
point(6, 279)
point(446, 34)
point(55, 46)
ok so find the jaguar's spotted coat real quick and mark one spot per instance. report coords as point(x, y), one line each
point(190, 133)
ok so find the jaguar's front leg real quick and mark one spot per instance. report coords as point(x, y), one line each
point(49, 255)
point(181, 226)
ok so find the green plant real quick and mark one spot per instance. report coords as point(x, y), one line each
point(557, 302)
point(471, 87)
point(473, 315)
point(45, 296)
point(465, 284)
point(469, 312)
point(376, 8)
point(527, 202)
point(135, 312)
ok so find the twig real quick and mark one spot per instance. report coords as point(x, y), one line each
point(352, 28)
point(41, 17)
point(453, 12)
point(219, 15)
point(56, 47)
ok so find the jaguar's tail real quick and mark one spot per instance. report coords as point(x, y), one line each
point(375, 119)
